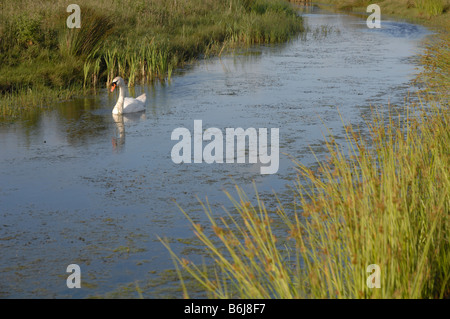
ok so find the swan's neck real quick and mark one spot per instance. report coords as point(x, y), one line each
point(118, 109)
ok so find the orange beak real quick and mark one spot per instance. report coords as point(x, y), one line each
point(113, 86)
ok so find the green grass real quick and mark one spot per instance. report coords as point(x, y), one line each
point(138, 40)
point(436, 60)
point(430, 7)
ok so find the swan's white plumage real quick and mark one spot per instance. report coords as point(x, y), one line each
point(127, 104)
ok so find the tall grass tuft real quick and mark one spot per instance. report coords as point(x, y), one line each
point(83, 41)
point(27, 102)
point(380, 198)
point(132, 62)
point(430, 7)
point(110, 58)
point(86, 72)
point(96, 73)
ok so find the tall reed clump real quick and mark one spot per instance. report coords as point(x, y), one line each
point(89, 37)
point(85, 43)
point(141, 60)
point(381, 198)
point(430, 7)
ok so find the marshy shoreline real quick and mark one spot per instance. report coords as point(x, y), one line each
point(42, 60)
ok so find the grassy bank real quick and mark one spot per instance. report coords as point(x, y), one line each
point(41, 59)
point(432, 13)
point(384, 199)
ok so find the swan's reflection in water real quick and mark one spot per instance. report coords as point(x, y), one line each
point(118, 141)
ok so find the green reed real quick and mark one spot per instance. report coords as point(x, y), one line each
point(121, 64)
point(133, 67)
point(430, 7)
point(141, 62)
point(27, 102)
point(110, 59)
point(150, 57)
point(86, 72)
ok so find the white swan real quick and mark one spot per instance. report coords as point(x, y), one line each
point(127, 104)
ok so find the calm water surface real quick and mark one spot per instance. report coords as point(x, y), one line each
point(78, 186)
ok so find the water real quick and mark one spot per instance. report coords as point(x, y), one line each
point(78, 186)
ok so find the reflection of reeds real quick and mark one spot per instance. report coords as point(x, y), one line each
point(27, 102)
point(96, 71)
point(321, 32)
point(384, 201)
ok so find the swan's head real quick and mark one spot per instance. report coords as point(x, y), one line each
point(118, 81)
